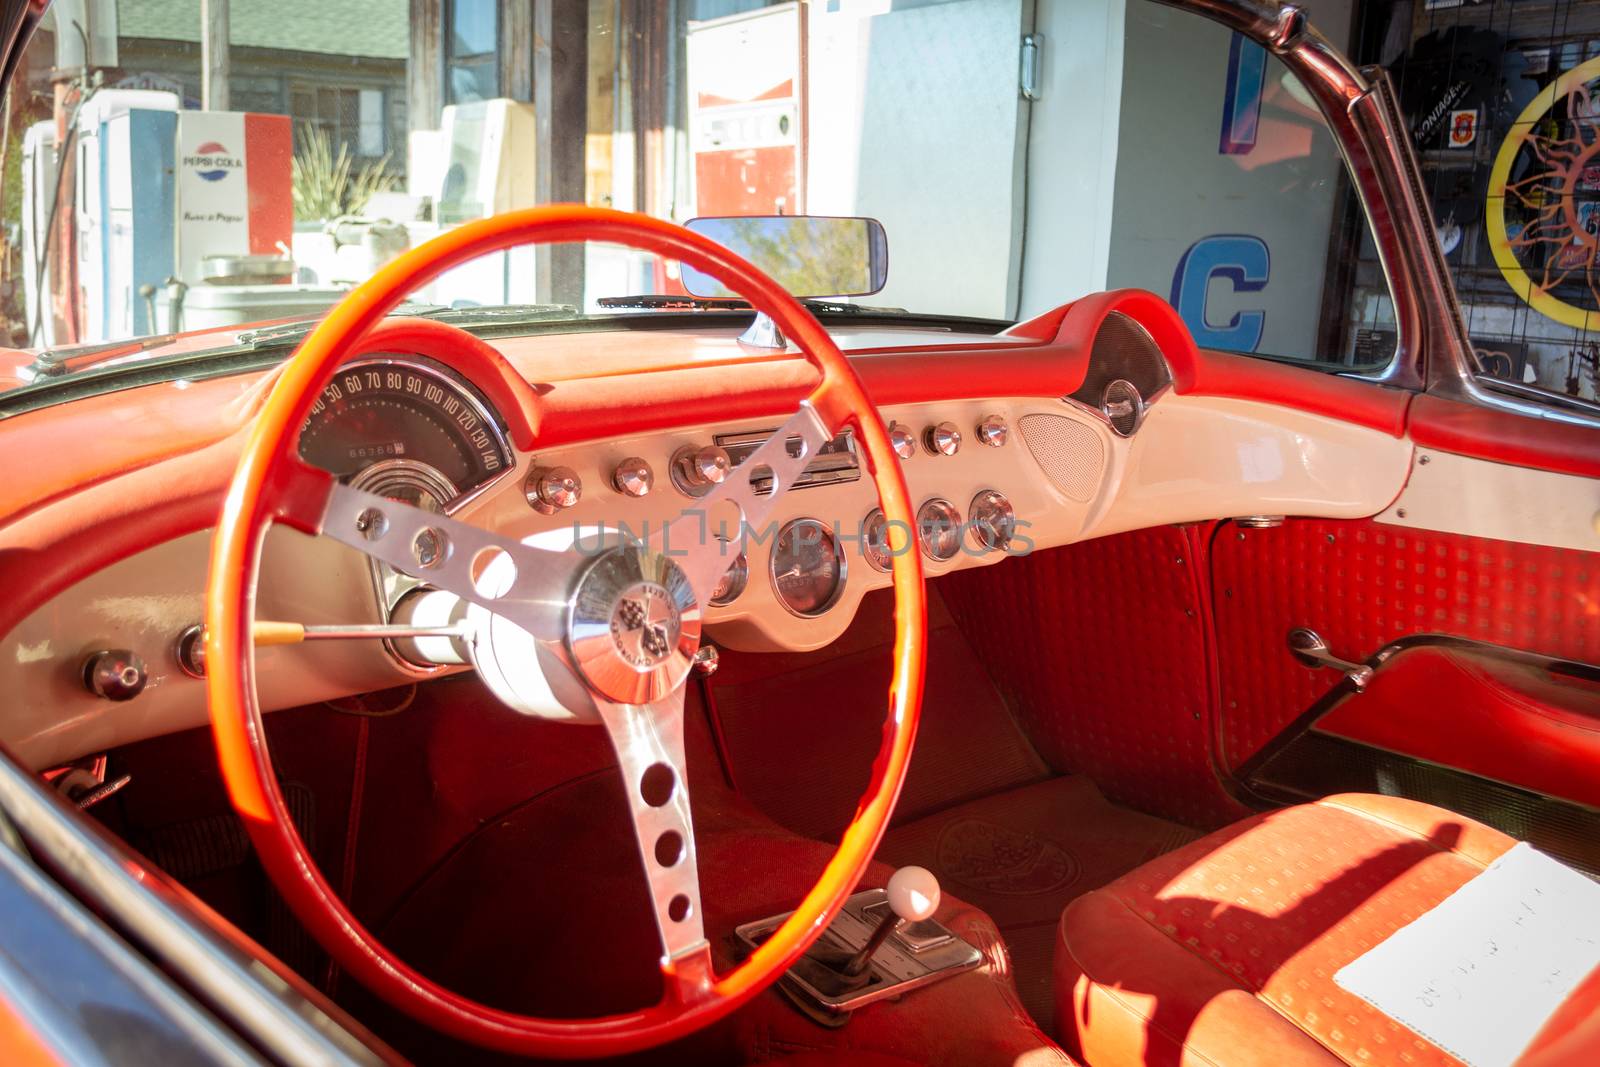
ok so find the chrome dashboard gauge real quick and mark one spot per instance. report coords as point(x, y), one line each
point(939, 529)
point(407, 428)
point(733, 580)
point(875, 541)
point(991, 520)
point(807, 567)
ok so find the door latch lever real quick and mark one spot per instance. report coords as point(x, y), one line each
point(1309, 648)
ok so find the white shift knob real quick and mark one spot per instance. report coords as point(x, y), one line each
point(913, 893)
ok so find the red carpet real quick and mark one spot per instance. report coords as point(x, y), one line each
point(1022, 856)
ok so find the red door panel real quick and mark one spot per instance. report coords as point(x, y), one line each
point(1514, 722)
point(1361, 585)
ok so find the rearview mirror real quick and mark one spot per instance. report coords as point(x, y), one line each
point(809, 255)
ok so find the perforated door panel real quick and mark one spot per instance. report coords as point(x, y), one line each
point(1363, 584)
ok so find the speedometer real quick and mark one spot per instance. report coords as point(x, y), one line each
point(405, 429)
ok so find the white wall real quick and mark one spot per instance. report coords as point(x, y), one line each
point(1072, 154)
point(914, 119)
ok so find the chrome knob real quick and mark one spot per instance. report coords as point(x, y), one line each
point(550, 489)
point(115, 674)
point(695, 470)
point(902, 440)
point(705, 660)
point(710, 465)
point(633, 477)
point(993, 431)
point(943, 439)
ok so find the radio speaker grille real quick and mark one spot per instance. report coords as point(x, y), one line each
point(1069, 452)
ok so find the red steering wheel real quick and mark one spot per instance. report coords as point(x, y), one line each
point(560, 606)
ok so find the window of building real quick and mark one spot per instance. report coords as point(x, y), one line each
point(353, 116)
point(472, 40)
point(1501, 99)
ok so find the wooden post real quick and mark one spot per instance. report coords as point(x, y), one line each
point(560, 101)
point(425, 66)
point(214, 55)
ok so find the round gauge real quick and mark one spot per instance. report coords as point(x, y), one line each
point(427, 430)
point(808, 567)
point(733, 580)
point(939, 527)
point(992, 520)
point(875, 541)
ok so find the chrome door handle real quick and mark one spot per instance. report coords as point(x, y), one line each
point(1309, 648)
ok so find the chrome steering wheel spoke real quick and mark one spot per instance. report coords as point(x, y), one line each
point(648, 739)
point(523, 584)
point(705, 553)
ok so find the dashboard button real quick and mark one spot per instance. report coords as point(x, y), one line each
point(695, 470)
point(902, 440)
point(942, 439)
point(993, 431)
point(633, 477)
point(115, 674)
point(551, 489)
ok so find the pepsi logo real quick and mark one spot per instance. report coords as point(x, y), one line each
point(212, 161)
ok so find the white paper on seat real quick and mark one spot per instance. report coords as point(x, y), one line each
point(1482, 972)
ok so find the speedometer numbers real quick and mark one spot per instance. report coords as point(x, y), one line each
point(411, 417)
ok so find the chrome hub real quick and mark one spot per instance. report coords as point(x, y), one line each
point(633, 625)
point(645, 625)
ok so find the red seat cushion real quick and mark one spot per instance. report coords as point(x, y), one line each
point(1223, 952)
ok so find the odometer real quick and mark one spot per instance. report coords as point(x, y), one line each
point(428, 432)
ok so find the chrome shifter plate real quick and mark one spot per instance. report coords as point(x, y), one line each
point(902, 964)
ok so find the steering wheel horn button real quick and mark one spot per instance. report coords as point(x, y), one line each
point(644, 625)
point(633, 625)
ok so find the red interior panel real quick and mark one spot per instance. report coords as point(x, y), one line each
point(804, 758)
point(1363, 584)
point(1101, 648)
point(1512, 722)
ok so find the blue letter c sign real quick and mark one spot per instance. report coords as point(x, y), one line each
point(1241, 259)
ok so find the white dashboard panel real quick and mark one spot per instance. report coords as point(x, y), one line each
point(1193, 459)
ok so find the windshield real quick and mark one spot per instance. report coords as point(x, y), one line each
point(211, 172)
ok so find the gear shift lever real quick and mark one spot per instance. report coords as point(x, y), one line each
point(856, 962)
point(913, 896)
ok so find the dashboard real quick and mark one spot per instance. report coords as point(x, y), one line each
point(991, 475)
